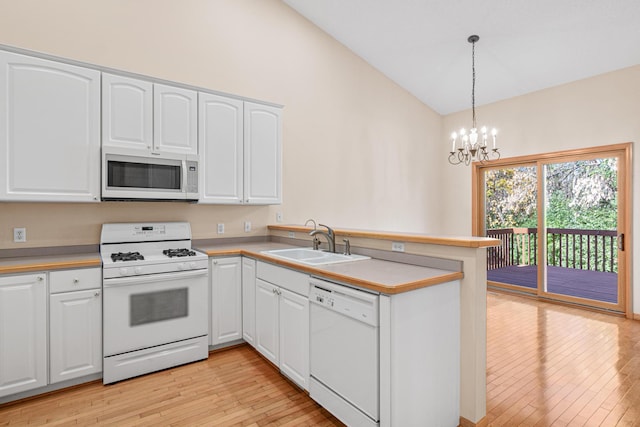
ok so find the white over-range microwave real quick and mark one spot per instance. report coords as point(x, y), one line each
point(129, 175)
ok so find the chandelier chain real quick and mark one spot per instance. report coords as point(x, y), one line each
point(473, 82)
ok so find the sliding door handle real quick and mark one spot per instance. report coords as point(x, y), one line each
point(621, 242)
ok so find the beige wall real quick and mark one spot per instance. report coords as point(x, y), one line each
point(355, 144)
point(602, 110)
point(359, 152)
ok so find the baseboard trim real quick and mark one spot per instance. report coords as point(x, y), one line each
point(466, 423)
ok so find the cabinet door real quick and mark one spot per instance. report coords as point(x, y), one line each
point(294, 337)
point(127, 112)
point(23, 333)
point(75, 334)
point(262, 154)
point(221, 149)
point(267, 320)
point(175, 120)
point(249, 300)
point(226, 300)
point(50, 130)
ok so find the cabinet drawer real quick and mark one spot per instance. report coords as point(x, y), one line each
point(75, 280)
point(288, 279)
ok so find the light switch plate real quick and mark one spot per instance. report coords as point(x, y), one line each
point(220, 228)
point(278, 216)
point(247, 226)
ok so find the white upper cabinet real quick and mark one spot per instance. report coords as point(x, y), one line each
point(140, 115)
point(262, 154)
point(175, 118)
point(50, 130)
point(127, 114)
point(221, 149)
point(240, 145)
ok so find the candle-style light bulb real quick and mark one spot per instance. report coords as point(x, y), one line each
point(494, 132)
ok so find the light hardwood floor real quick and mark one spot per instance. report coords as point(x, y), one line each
point(547, 365)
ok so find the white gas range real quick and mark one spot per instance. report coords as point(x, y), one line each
point(155, 289)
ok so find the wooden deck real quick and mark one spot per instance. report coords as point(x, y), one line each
point(595, 285)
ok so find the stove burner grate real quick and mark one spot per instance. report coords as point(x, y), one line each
point(178, 252)
point(126, 256)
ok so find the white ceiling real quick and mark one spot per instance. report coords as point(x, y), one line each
point(525, 45)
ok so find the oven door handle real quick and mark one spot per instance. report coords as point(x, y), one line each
point(149, 278)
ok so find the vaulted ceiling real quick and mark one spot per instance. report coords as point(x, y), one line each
point(524, 45)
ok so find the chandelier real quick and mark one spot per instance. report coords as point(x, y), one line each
point(467, 147)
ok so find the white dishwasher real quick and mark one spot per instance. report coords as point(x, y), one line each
point(344, 352)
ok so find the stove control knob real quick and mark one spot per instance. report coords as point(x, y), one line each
point(138, 270)
point(123, 271)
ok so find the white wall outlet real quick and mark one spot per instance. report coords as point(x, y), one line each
point(247, 226)
point(221, 228)
point(397, 246)
point(19, 235)
point(278, 216)
point(292, 234)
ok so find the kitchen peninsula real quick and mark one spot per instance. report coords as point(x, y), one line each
point(389, 273)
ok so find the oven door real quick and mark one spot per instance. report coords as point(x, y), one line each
point(145, 311)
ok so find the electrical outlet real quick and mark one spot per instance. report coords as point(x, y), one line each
point(278, 216)
point(397, 246)
point(292, 234)
point(19, 235)
point(247, 226)
point(221, 228)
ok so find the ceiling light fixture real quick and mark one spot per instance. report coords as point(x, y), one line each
point(470, 149)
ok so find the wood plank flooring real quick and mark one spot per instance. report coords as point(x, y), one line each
point(235, 387)
point(547, 365)
point(551, 365)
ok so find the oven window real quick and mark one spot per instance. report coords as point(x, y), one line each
point(143, 175)
point(158, 306)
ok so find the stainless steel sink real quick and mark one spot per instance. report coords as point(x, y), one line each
point(313, 257)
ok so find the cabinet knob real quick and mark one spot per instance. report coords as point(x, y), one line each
point(215, 262)
point(97, 294)
point(40, 278)
point(76, 280)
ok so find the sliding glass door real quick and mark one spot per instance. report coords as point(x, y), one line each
point(561, 219)
point(581, 229)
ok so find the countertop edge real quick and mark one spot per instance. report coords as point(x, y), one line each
point(50, 265)
point(460, 241)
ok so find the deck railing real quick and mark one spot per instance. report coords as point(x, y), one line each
point(571, 248)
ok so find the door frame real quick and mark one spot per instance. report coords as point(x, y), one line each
point(623, 152)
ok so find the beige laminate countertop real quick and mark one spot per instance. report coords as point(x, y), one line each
point(49, 262)
point(378, 275)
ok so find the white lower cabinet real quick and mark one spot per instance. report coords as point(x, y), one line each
point(267, 330)
point(226, 300)
point(282, 320)
point(294, 337)
point(23, 333)
point(249, 300)
point(75, 334)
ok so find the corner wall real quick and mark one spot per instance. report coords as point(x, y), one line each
point(601, 110)
point(355, 145)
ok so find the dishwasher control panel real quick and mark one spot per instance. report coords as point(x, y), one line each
point(358, 305)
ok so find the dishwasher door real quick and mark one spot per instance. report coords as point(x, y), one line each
point(344, 352)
